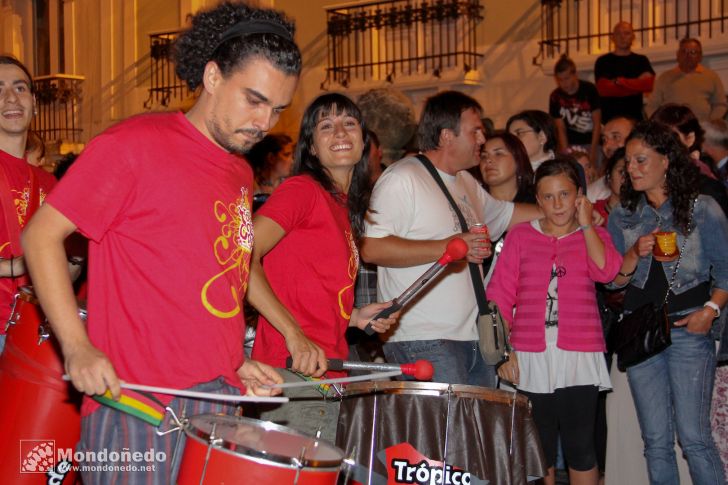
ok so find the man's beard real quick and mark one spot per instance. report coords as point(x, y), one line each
point(226, 141)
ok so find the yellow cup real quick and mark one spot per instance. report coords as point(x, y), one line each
point(665, 246)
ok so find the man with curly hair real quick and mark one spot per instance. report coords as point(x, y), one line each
point(169, 220)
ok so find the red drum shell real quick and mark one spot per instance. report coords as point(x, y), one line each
point(250, 451)
point(36, 403)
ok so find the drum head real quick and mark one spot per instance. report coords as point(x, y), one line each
point(262, 439)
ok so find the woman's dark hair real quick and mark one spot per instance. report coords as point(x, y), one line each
point(6, 59)
point(442, 112)
point(681, 177)
point(539, 122)
point(201, 43)
point(307, 163)
point(681, 118)
point(561, 164)
point(524, 171)
point(611, 163)
point(271, 144)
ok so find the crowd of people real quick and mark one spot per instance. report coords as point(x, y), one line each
point(197, 213)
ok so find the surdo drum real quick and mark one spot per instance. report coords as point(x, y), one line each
point(228, 449)
point(433, 433)
point(37, 407)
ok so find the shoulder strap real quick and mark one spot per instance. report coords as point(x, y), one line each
point(474, 270)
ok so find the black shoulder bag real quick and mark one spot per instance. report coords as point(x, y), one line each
point(492, 330)
point(645, 332)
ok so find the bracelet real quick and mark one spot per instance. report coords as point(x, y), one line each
point(712, 306)
point(12, 273)
point(627, 275)
point(584, 228)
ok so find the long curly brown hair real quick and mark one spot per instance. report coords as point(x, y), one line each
point(681, 177)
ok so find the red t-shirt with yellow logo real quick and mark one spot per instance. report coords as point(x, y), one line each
point(311, 270)
point(17, 173)
point(167, 213)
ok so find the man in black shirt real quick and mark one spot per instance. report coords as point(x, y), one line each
point(622, 77)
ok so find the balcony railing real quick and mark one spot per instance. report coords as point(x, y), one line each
point(59, 104)
point(585, 26)
point(383, 40)
point(165, 85)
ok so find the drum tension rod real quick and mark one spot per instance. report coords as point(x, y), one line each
point(13, 318)
point(179, 423)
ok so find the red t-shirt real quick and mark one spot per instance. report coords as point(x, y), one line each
point(167, 213)
point(17, 173)
point(311, 270)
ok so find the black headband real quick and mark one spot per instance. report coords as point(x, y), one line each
point(247, 27)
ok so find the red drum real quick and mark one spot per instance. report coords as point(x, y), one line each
point(426, 432)
point(39, 412)
point(229, 449)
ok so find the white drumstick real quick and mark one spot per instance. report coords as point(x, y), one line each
point(210, 396)
point(369, 377)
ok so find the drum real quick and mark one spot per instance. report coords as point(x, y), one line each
point(422, 432)
point(229, 449)
point(39, 412)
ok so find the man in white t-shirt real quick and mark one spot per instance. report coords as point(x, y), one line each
point(408, 227)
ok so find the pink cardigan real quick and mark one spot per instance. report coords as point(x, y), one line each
point(521, 280)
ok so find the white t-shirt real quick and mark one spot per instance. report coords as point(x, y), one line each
point(408, 203)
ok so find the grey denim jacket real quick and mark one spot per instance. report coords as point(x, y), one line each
point(706, 251)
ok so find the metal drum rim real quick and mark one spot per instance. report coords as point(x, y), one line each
point(243, 451)
point(432, 389)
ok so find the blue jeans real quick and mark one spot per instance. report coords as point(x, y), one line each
point(2, 343)
point(455, 361)
point(672, 392)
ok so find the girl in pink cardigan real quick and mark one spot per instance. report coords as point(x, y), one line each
point(543, 284)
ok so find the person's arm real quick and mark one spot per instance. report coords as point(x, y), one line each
point(90, 370)
point(641, 248)
point(398, 252)
point(562, 140)
point(523, 213)
point(361, 317)
point(12, 267)
point(718, 105)
point(701, 320)
point(644, 83)
point(308, 358)
point(15, 266)
point(594, 244)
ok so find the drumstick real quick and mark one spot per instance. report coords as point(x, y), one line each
point(210, 396)
point(456, 249)
point(369, 377)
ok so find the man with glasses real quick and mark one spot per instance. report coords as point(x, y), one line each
point(690, 83)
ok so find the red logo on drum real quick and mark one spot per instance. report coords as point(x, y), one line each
point(37, 456)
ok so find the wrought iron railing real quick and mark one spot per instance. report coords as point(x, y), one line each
point(58, 100)
point(585, 26)
point(385, 39)
point(165, 85)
